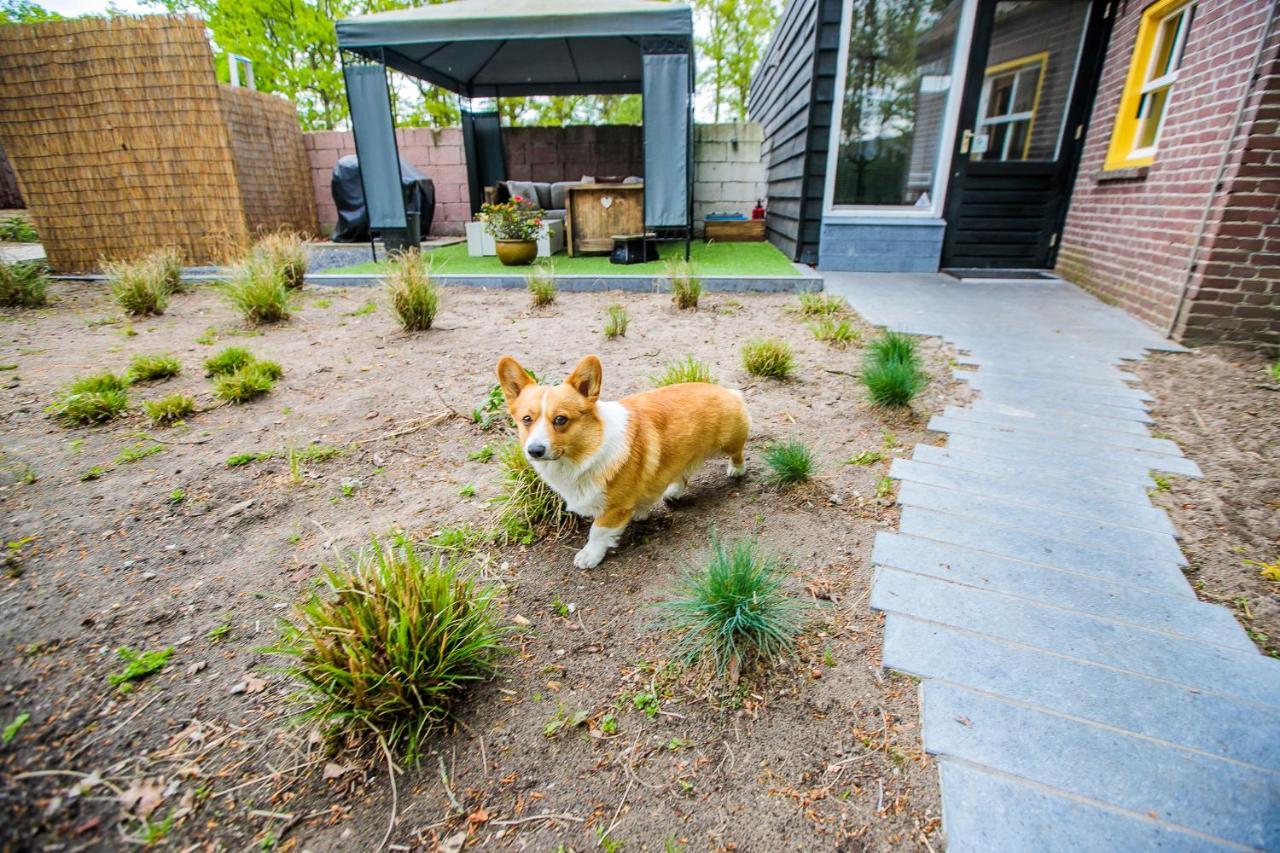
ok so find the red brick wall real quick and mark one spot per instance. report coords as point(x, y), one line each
point(1129, 241)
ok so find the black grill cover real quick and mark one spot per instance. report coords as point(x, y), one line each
point(348, 196)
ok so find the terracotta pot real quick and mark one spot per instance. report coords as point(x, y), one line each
point(516, 253)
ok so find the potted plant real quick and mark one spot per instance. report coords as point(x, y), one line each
point(514, 226)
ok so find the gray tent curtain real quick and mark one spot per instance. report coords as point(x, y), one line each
point(375, 137)
point(482, 142)
point(666, 142)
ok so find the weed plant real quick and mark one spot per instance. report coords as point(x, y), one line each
point(768, 357)
point(414, 297)
point(687, 369)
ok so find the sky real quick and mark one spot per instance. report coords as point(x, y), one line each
point(71, 8)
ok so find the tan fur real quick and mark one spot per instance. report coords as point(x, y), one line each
point(669, 433)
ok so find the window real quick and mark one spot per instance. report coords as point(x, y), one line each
point(1157, 58)
point(1007, 110)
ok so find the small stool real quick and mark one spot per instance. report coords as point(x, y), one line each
point(634, 248)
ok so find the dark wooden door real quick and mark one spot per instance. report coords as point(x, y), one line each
point(1033, 71)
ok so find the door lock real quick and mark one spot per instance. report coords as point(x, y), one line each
point(965, 139)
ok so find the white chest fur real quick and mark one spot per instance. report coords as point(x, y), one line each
point(582, 484)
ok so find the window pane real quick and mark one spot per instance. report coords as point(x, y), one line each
point(1149, 127)
point(1163, 61)
point(1028, 82)
point(897, 82)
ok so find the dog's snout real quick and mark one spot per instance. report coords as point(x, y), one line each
point(536, 450)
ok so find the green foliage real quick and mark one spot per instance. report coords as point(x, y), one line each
point(1163, 484)
point(894, 346)
point(208, 337)
point(169, 410)
point(248, 383)
point(866, 457)
point(391, 641)
point(414, 297)
point(467, 491)
point(257, 290)
point(25, 12)
point(838, 333)
point(821, 305)
point(527, 507)
point(168, 263)
point(462, 538)
point(493, 410)
point(11, 731)
point(789, 463)
point(16, 229)
point(93, 473)
point(734, 34)
point(237, 460)
point(228, 361)
point(91, 400)
point(286, 253)
point(734, 611)
point(484, 454)
point(768, 357)
point(177, 496)
point(1273, 370)
point(616, 324)
point(23, 285)
point(147, 368)
point(139, 287)
point(686, 288)
point(687, 369)
point(884, 487)
point(541, 281)
point(364, 310)
point(138, 665)
point(138, 451)
point(891, 370)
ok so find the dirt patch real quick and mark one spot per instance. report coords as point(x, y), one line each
point(176, 549)
point(1222, 408)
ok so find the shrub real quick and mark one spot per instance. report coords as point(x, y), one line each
point(248, 383)
point(284, 252)
point(91, 400)
point(686, 288)
point(527, 507)
point(616, 324)
point(165, 411)
point(414, 297)
point(228, 361)
point(768, 357)
point(139, 287)
point(257, 290)
point(837, 333)
point(688, 369)
point(891, 383)
point(789, 463)
point(145, 368)
point(821, 305)
point(734, 611)
point(541, 281)
point(894, 346)
point(393, 644)
point(16, 229)
point(23, 285)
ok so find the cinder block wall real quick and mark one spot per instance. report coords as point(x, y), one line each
point(1129, 240)
point(728, 170)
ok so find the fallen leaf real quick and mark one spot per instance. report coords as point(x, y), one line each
point(333, 770)
point(196, 667)
point(143, 796)
point(453, 843)
point(521, 621)
point(478, 817)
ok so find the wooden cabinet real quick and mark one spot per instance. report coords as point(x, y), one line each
point(595, 212)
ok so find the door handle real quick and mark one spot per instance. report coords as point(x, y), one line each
point(965, 139)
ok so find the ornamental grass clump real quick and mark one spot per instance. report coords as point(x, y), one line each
point(285, 252)
point(790, 463)
point(256, 288)
point(24, 285)
point(148, 368)
point(528, 508)
point(686, 288)
point(168, 263)
point(139, 287)
point(687, 369)
point(91, 400)
point(414, 296)
point(390, 641)
point(838, 333)
point(541, 281)
point(821, 305)
point(166, 411)
point(768, 357)
point(248, 383)
point(734, 612)
point(615, 325)
point(891, 371)
point(228, 361)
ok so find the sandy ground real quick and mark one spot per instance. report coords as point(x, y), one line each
point(823, 753)
point(1223, 409)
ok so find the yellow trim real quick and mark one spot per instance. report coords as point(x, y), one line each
point(1008, 65)
point(1125, 131)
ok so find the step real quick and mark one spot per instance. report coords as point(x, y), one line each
point(1095, 534)
point(1235, 731)
point(1061, 459)
point(1020, 397)
point(1245, 675)
point(1047, 493)
point(1171, 614)
point(1058, 409)
point(1032, 547)
point(1107, 377)
point(1107, 438)
point(1067, 388)
point(1042, 477)
point(998, 412)
point(1186, 789)
point(1066, 446)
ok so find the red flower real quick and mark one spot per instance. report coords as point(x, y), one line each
point(516, 198)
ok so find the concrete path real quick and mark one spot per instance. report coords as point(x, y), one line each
point(1076, 693)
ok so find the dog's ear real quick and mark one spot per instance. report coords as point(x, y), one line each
point(586, 378)
point(512, 378)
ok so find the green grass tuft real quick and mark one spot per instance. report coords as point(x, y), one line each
point(789, 463)
point(138, 665)
point(228, 361)
point(147, 368)
point(24, 285)
point(285, 253)
point(248, 383)
point(166, 411)
point(1273, 370)
point(91, 400)
point(821, 305)
point(686, 288)
point(541, 281)
point(391, 643)
point(616, 324)
point(838, 333)
point(866, 457)
point(768, 357)
point(891, 370)
point(139, 287)
point(257, 290)
point(894, 346)
point(527, 507)
point(687, 369)
point(414, 297)
point(734, 612)
point(16, 229)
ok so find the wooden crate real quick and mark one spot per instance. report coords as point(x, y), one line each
point(734, 230)
point(595, 212)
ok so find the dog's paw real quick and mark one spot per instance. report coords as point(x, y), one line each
point(737, 470)
point(674, 492)
point(643, 514)
point(589, 557)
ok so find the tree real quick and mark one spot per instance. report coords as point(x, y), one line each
point(737, 32)
point(25, 12)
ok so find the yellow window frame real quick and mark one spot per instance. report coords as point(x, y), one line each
point(1125, 132)
point(1041, 58)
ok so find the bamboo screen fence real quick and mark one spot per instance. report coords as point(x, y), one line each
point(124, 142)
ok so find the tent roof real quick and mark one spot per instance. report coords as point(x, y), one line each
point(497, 48)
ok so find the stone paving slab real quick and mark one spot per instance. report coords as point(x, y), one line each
point(1005, 416)
point(1041, 475)
point(977, 424)
point(1045, 401)
point(1219, 726)
point(1030, 454)
point(1194, 790)
point(1106, 376)
point(1144, 608)
point(1130, 419)
point(1089, 445)
point(1111, 394)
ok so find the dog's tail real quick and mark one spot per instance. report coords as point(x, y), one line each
point(742, 399)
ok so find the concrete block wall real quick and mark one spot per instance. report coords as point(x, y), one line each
point(729, 172)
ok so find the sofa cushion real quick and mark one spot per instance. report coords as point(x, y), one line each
point(544, 194)
point(527, 190)
point(559, 194)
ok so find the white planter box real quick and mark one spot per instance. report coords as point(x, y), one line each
point(550, 241)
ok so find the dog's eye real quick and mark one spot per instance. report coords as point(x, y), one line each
point(560, 420)
point(527, 419)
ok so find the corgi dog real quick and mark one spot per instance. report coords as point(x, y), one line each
point(615, 461)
